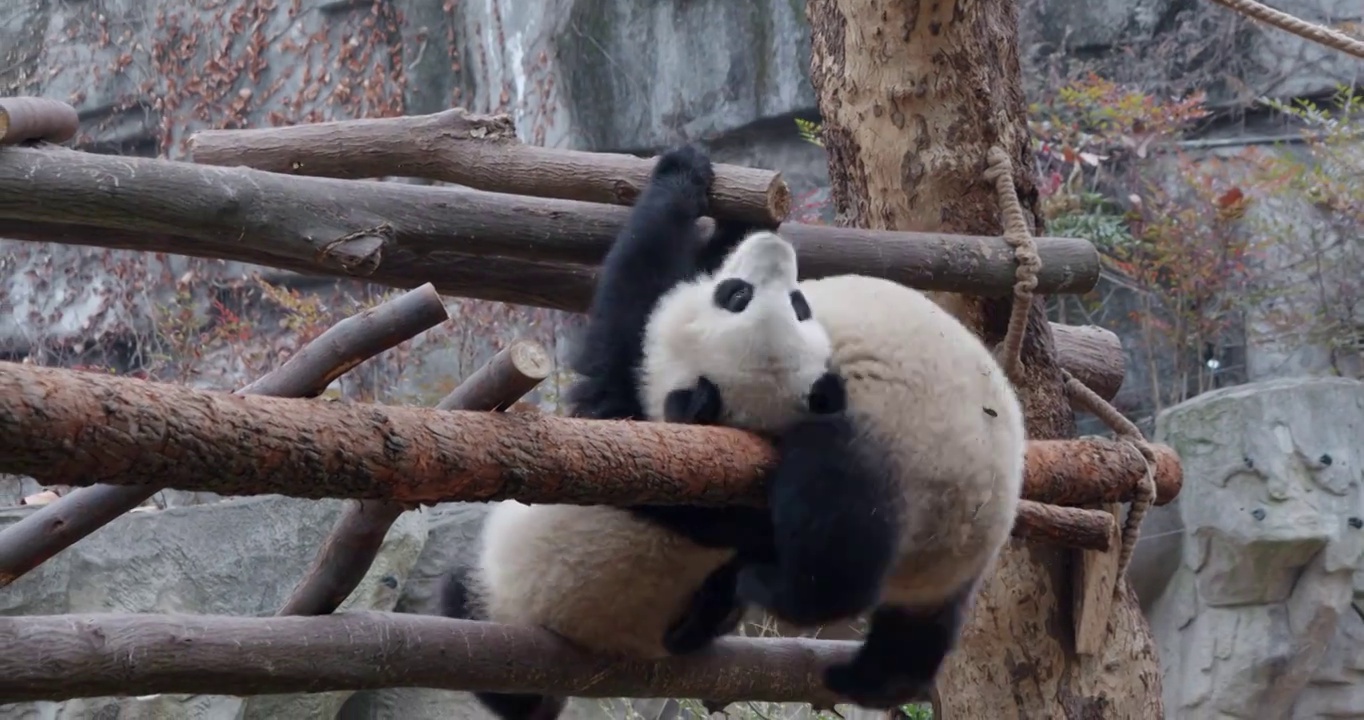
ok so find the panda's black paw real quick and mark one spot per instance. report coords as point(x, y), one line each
point(700, 405)
point(869, 686)
point(828, 395)
point(687, 169)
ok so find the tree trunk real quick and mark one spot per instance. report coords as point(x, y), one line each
point(913, 94)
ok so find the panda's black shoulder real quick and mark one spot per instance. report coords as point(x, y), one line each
point(457, 596)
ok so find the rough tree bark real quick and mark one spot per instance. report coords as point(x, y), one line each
point(78, 428)
point(913, 94)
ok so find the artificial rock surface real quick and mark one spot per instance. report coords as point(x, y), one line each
point(1260, 616)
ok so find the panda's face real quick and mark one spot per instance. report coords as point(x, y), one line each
point(748, 329)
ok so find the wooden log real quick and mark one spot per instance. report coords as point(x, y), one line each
point(1093, 354)
point(384, 231)
point(76, 428)
point(28, 543)
point(23, 119)
point(477, 151)
point(58, 657)
point(1093, 470)
point(1065, 526)
point(354, 542)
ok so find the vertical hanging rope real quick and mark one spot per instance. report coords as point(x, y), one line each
point(1145, 493)
point(1016, 233)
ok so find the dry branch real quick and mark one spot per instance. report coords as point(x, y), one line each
point(1068, 526)
point(350, 549)
point(31, 541)
point(57, 657)
point(76, 428)
point(331, 226)
point(33, 118)
point(477, 151)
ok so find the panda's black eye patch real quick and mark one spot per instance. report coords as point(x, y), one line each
point(733, 294)
point(801, 307)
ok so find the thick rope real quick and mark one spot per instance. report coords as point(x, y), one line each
point(1019, 237)
point(1303, 29)
point(1016, 233)
point(1144, 495)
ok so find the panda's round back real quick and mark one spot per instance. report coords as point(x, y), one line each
point(747, 328)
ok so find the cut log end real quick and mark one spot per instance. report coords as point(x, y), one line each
point(779, 197)
point(23, 119)
point(531, 360)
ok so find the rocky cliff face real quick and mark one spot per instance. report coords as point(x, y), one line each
point(596, 75)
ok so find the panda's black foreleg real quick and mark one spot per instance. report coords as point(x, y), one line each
point(458, 600)
point(836, 526)
point(656, 250)
point(901, 655)
point(714, 611)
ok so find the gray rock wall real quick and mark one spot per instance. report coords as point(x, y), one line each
point(1259, 615)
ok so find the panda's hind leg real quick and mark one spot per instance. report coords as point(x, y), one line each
point(714, 611)
point(835, 525)
point(522, 707)
point(900, 657)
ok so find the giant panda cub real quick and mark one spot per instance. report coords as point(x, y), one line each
point(901, 503)
point(675, 325)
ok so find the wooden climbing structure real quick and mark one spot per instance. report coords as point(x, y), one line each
point(530, 232)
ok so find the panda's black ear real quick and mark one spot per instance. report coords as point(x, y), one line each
point(801, 307)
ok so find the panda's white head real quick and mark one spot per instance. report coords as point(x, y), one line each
point(746, 328)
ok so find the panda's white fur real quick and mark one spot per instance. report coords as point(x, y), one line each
point(938, 403)
point(602, 577)
point(901, 504)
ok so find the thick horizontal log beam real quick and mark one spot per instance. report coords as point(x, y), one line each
point(385, 231)
point(59, 657)
point(477, 151)
point(77, 428)
point(1092, 354)
point(28, 543)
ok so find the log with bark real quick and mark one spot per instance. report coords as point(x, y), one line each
point(1090, 353)
point(81, 428)
point(31, 541)
point(391, 232)
point(354, 541)
point(477, 151)
point(58, 657)
point(24, 119)
point(912, 97)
